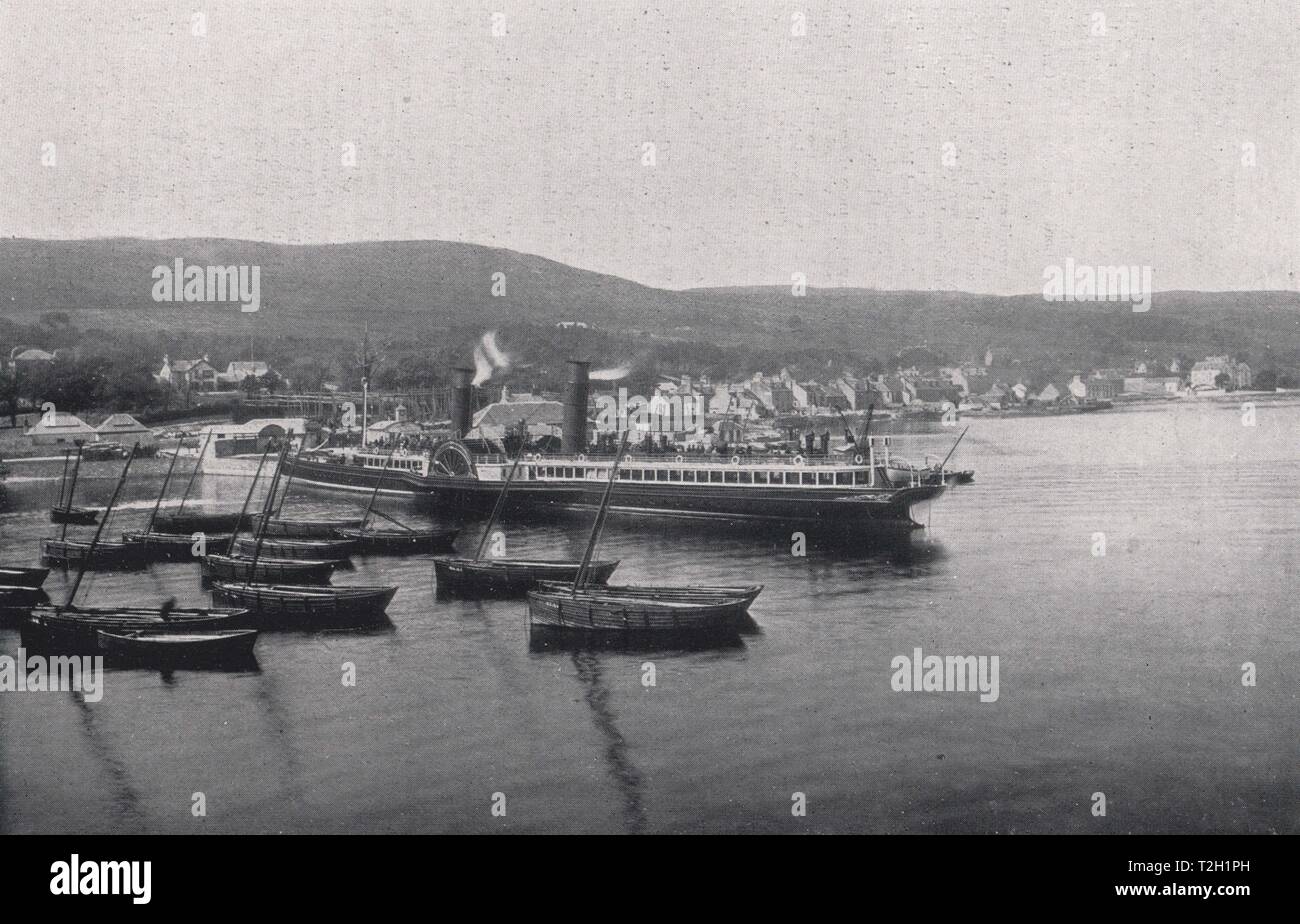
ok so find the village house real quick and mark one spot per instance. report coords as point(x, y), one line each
point(60, 429)
point(27, 360)
point(125, 429)
point(1205, 374)
point(188, 374)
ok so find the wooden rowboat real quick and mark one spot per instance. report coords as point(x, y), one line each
point(76, 516)
point(16, 576)
point(596, 612)
point(316, 549)
point(399, 540)
point(509, 576)
point(267, 570)
point(169, 545)
point(72, 627)
point(302, 601)
point(179, 647)
point(192, 522)
point(305, 528)
point(95, 556)
point(740, 597)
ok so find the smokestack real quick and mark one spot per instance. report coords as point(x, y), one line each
point(462, 404)
point(574, 434)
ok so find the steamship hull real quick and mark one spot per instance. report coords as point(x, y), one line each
point(851, 509)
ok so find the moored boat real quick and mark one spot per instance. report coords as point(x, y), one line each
point(399, 540)
point(73, 627)
point(595, 612)
point(179, 647)
point(510, 576)
point(94, 556)
point(267, 570)
point(305, 602)
point(74, 516)
point(741, 596)
point(304, 528)
point(191, 521)
point(157, 544)
point(316, 549)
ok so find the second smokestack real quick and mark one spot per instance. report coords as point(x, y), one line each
point(462, 401)
point(573, 437)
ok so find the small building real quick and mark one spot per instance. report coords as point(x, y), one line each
point(539, 417)
point(125, 429)
point(21, 360)
point(237, 371)
point(61, 429)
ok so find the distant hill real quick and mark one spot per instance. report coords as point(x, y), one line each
point(416, 289)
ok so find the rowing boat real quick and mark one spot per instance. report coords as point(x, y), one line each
point(739, 597)
point(304, 528)
point(75, 516)
point(79, 627)
point(192, 522)
point(596, 612)
point(317, 549)
point(95, 556)
point(399, 540)
point(179, 647)
point(510, 576)
point(168, 545)
point(267, 570)
point(305, 601)
point(19, 596)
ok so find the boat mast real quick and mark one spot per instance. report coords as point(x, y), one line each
point(230, 546)
point(266, 514)
point(90, 553)
point(580, 579)
point(501, 502)
point(289, 481)
point(148, 530)
point(379, 480)
point(72, 492)
point(63, 485)
point(198, 463)
point(944, 463)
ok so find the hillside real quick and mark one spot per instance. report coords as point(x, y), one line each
point(416, 291)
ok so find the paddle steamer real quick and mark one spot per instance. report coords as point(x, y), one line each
point(854, 491)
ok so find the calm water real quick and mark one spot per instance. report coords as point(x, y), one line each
point(1118, 673)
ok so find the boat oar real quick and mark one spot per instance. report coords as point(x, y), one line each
point(90, 553)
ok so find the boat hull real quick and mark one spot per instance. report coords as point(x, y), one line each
point(19, 596)
point(602, 614)
point(76, 516)
point(509, 577)
point(157, 545)
point(852, 510)
point(741, 597)
point(314, 549)
point(77, 628)
point(400, 540)
point(305, 529)
point(198, 522)
point(267, 570)
point(178, 648)
point(305, 603)
point(73, 553)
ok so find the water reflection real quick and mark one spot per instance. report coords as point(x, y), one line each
point(627, 778)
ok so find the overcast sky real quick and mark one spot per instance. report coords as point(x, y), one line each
point(961, 145)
